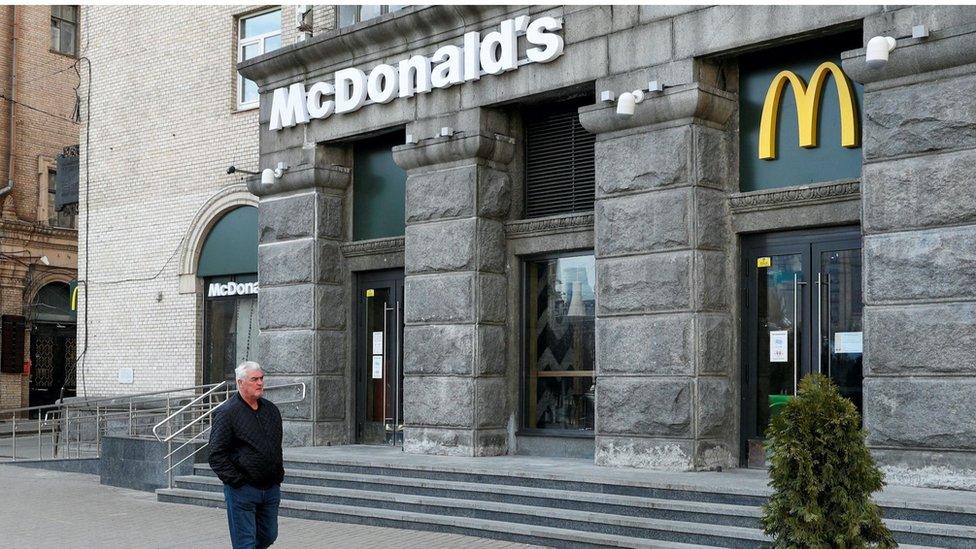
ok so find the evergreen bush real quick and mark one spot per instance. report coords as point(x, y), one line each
point(822, 474)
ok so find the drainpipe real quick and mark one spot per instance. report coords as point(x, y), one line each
point(13, 97)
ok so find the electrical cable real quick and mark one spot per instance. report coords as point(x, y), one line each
point(26, 106)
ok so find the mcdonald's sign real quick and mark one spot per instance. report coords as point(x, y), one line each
point(807, 108)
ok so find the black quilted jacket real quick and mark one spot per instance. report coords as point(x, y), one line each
point(245, 444)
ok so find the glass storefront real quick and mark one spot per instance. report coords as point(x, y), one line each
point(559, 344)
point(230, 327)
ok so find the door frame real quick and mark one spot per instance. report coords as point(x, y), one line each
point(387, 278)
point(808, 243)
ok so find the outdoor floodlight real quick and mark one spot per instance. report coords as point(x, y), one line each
point(268, 176)
point(628, 102)
point(876, 53)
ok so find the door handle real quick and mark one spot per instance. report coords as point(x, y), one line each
point(819, 326)
point(796, 329)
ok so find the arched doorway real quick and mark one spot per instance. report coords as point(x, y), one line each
point(228, 266)
point(52, 345)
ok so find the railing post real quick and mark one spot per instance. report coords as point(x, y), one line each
point(98, 431)
point(130, 417)
point(14, 434)
point(169, 449)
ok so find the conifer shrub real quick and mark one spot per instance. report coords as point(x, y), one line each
point(822, 474)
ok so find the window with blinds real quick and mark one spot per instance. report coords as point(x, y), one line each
point(559, 170)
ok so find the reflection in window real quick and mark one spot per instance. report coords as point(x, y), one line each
point(231, 331)
point(64, 29)
point(352, 14)
point(559, 341)
point(257, 35)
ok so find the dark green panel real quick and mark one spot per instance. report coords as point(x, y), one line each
point(232, 246)
point(379, 189)
point(793, 165)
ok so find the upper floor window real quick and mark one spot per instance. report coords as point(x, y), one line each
point(257, 34)
point(64, 29)
point(560, 175)
point(67, 216)
point(352, 14)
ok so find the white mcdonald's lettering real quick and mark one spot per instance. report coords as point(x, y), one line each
point(216, 289)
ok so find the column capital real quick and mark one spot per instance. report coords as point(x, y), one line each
point(460, 146)
point(321, 167)
point(913, 56)
point(687, 101)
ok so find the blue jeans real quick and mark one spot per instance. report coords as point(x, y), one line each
point(252, 515)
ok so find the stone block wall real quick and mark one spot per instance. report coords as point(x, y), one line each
point(920, 252)
point(455, 288)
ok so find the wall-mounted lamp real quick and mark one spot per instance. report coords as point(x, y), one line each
point(628, 101)
point(268, 176)
point(878, 48)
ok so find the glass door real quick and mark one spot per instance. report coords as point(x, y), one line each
point(801, 314)
point(379, 353)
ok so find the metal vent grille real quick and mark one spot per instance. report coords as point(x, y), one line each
point(559, 170)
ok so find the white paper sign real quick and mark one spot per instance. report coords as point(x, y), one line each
point(848, 342)
point(377, 343)
point(125, 375)
point(777, 345)
point(378, 367)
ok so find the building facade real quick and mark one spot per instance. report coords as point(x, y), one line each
point(38, 229)
point(623, 232)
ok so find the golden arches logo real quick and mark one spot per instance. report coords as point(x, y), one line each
point(807, 108)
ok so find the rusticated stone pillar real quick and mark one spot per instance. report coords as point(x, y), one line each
point(919, 197)
point(458, 193)
point(665, 397)
point(302, 303)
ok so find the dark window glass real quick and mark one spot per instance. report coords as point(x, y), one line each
point(231, 331)
point(67, 217)
point(379, 189)
point(559, 169)
point(64, 26)
point(559, 343)
point(352, 14)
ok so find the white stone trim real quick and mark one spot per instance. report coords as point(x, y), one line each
point(229, 197)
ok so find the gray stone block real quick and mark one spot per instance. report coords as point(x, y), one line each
point(444, 298)
point(491, 402)
point(286, 307)
point(296, 433)
point(291, 410)
point(438, 401)
point(589, 22)
point(286, 218)
point(287, 352)
point(331, 347)
point(920, 412)
point(650, 406)
point(899, 21)
point(285, 263)
point(331, 433)
point(713, 151)
point(438, 194)
point(330, 398)
point(330, 306)
point(438, 349)
point(494, 193)
point(440, 246)
point(642, 161)
point(730, 26)
point(435, 441)
point(653, 344)
point(920, 340)
point(328, 262)
point(920, 265)
point(714, 407)
point(646, 222)
point(624, 17)
point(491, 350)
point(929, 116)
point(492, 297)
point(712, 284)
point(644, 453)
point(711, 219)
point(640, 46)
point(714, 348)
point(646, 283)
point(490, 442)
point(656, 12)
point(926, 191)
point(711, 455)
point(330, 215)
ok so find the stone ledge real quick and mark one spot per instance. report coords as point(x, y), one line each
point(944, 48)
point(687, 101)
point(788, 197)
point(460, 146)
point(554, 225)
point(376, 246)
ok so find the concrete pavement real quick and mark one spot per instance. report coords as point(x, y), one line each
point(45, 509)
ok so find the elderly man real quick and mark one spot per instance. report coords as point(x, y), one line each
point(245, 452)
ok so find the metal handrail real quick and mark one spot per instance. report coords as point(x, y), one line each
point(84, 402)
point(168, 440)
point(181, 410)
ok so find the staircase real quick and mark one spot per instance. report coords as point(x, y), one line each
point(517, 499)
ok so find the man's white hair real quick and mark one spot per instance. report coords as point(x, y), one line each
point(245, 367)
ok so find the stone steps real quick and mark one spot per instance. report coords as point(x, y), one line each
point(540, 507)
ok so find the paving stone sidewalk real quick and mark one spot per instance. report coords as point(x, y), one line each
point(45, 509)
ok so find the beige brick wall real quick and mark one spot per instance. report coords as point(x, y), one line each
point(164, 128)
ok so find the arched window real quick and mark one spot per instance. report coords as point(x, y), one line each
point(229, 265)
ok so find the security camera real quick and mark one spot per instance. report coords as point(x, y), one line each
point(876, 53)
point(231, 170)
point(235, 169)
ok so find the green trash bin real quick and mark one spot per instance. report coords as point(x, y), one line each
point(777, 403)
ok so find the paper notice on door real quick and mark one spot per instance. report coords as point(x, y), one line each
point(777, 345)
point(377, 343)
point(848, 342)
point(378, 367)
